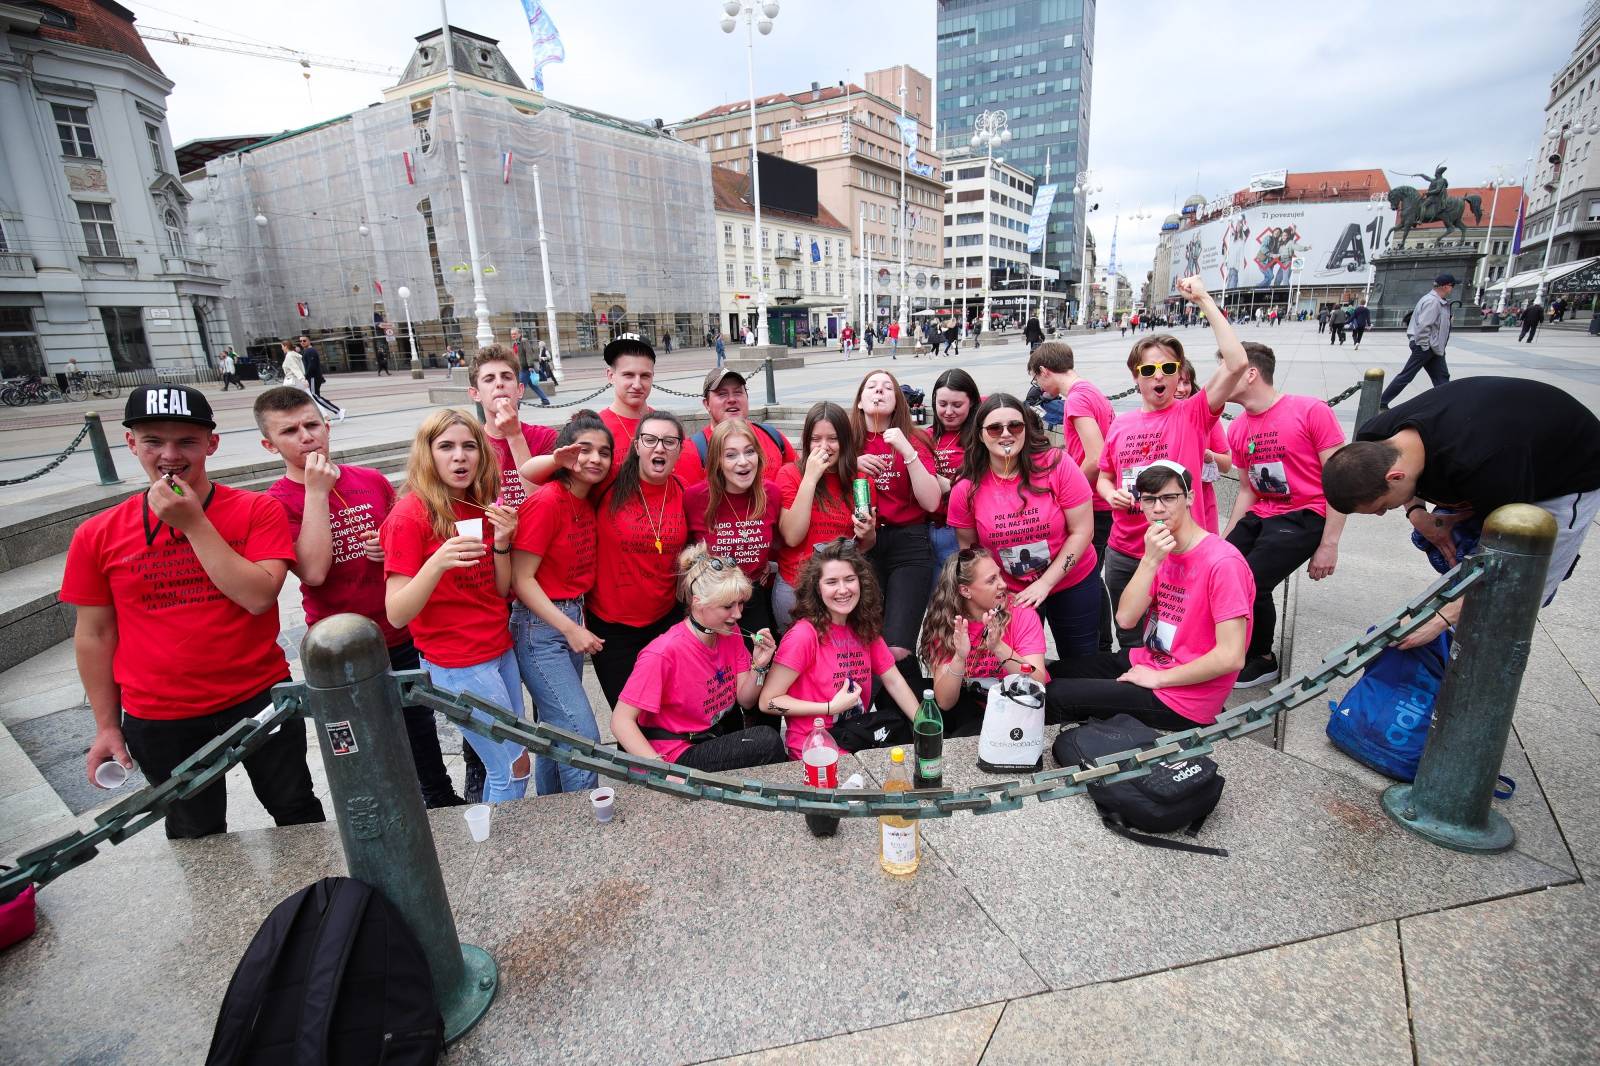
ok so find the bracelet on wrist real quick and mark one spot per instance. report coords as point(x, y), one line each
point(501, 551)
point(1415, 507)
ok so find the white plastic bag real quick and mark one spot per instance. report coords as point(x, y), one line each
point(1012, 741)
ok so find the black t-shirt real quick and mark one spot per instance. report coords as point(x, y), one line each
point(1491, 441)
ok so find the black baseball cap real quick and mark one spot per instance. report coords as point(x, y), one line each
point(1444, 279)
point(168, 403)
point(628, 344)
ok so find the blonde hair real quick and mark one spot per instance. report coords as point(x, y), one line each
point(717, 481)
point(946, 609)
point(717, 582)
point(422, 475)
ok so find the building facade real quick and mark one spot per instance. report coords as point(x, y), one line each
point(1033, 59)
point(986, 211)
point(806, 257)
point(323, 226)
point(849, 134)
point(1490, 233)
point(97, 261)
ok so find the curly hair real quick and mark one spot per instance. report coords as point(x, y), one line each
point(866, 621)
point(1038, 455)
point(946, 609)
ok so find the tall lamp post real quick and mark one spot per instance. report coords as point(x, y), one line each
point(1588, 125)
point(1086, 187)
point(458, 118)
point(411, 334)
point(731, 9)
point(1497, 181)
point(989, 131)
point(1522, 190)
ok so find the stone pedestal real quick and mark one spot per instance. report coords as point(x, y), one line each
point(1404, 274)
point(749, 361)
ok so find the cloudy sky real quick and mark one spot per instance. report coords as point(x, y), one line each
point(1192, 96)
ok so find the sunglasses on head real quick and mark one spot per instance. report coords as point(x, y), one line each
point(1000, 429)
point(718, 564)
point(1148, 370)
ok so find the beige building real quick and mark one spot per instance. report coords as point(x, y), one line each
point(849, 135)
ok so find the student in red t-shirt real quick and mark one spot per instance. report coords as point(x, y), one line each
point(631, 370)
point(974, 635)
point(1196, 589)
point(334, 514)
point(450, 585)
point(1280, 517)
point(818, 500)
point(726, 396)
point(494, 381)
point(177, 630)
point(899, 458)
point(1163, 428)
point(553, 569)
point(1217, 461)
point(642, 528)
point(1029, 505)
point(826, 663)
point(735, 512)
point(695, 686)
point(1086, 419)
point(955, 407)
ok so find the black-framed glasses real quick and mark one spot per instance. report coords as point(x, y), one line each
point(1167, 500)
point(1148, 370)
point(1000, 429)
point(650, 440)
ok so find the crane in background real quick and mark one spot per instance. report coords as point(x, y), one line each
point(306, 60)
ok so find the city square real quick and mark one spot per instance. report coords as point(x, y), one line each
point(690, 927)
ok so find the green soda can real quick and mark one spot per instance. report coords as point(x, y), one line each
point(863, 493)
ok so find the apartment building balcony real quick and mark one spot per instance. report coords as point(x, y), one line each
point(17, 265)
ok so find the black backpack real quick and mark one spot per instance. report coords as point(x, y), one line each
point(1173, 796)
point(334, 975)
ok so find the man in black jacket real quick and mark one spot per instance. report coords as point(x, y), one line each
point(1531, 317)
point(315, 379)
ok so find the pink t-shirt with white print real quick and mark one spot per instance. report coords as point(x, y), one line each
point(681, 685)
point(1024, 530)
point(1137, 439)
point(823, 665)
point(1279, 451)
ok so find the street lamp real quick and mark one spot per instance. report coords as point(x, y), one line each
point(990, 130)
point(411, 334)
point(1086, 187)
point(1497, 181)
point(731, 10)
point(1589, 125)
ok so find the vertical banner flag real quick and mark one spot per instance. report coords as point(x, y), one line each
point(303, 308)
point(547, 46)
point(1516, 234)
point(378, 285)
point(908, 137)
point(816, 253)
point(411, 172)
point(1044, 197)
point(505, 168)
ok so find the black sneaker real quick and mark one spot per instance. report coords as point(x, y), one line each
point(1258, 672)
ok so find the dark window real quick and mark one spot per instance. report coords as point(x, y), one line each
point(19, 344)
point(98, 231)
point(72, 126)
point(125, 334)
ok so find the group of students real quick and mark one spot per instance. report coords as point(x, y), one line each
point(726, 588)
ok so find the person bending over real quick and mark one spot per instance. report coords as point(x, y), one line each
point(1196, 589)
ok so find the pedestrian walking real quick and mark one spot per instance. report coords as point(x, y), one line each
point(1336, 322)
point(1428, 332)
point(1532, 315)
point(230, 370)
point(1322, 320)
point(383, 359)
point(294, 368)
point(722, 351)
point(952, 339)
point(869, 335)
point(894, 340)
point(527, 367)
point(1033, 334)
point(315, 379)
point(1360, 319)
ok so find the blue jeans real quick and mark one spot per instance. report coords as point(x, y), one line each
point(533, 383)
point(553, 673)
point(1073, 615)
point(497, 682)
point(944, 546)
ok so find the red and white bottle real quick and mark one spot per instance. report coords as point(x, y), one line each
point(821, 757)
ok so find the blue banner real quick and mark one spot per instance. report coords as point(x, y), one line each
point(547, 46)
point(1044, 197)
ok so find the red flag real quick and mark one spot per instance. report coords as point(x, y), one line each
point(411, 175)
point(305, 312)
point(378, 285)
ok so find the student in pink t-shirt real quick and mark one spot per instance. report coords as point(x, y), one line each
point(334, 515)
point(818, 500)
point(1217, 459)
point(1280, 518)
point(973, 636)
point(1164, 427)
point(694, 688)
point(826, 662)
point(1196, 589)
point(1029, 505)
point(734, 510)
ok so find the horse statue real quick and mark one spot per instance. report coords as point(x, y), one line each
point(1411, 205)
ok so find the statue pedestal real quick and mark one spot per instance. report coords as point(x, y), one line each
point(1402, 275)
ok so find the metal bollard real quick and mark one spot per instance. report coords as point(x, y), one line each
point(1369, 398)
point(102, 451)
point(772, 386)
point(1450, 802)
point(355, 702)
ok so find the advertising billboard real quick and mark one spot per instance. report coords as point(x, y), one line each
point(1264, 246)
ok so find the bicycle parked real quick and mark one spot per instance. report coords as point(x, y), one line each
point(19, 392)
point(81, 385)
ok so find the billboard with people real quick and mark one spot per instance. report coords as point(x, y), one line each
point(1257, 247)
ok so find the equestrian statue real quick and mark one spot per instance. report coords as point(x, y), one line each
point(1433, 205)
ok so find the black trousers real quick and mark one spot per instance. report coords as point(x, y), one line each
point(278, 771)
point(422, 735)
point(1274, 548)
point(614, 663)
point(1336, 332)
point(1528, 330)
point(315, 388)
point(758, 745)
point(1420, 359)
point(1102, 535)
point(1356, 332)
point(1087, 687)
point(902, 560)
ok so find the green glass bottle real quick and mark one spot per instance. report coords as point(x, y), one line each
point(928, 730)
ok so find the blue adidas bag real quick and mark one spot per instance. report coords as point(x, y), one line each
point(1383, 720)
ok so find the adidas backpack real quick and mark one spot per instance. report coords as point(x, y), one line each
point(334, 975)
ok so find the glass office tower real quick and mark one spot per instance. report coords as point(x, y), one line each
point(1034, 59)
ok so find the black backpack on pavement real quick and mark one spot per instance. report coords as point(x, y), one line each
point(333, 976)
point(1174, 796)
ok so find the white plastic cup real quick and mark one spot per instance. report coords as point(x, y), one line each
point(604, 803)
point(477, 817)
point(470, 527)
point(110, 774)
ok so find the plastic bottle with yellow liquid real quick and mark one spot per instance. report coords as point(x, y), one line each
point(899, 850)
